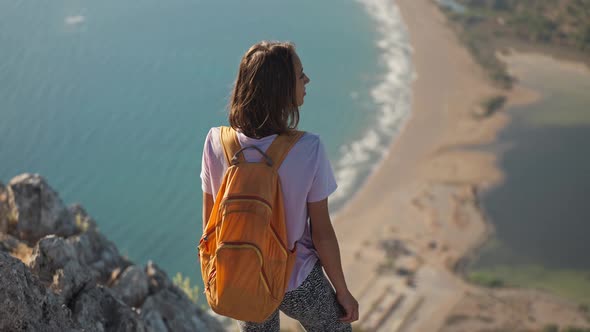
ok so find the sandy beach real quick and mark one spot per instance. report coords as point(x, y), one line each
point(417, 215)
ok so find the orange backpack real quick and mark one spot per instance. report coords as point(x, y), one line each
point(245, 263)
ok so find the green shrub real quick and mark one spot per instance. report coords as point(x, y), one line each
point(551, 328)
point(81, 223)
point(185, 284)
point(575, 329)
point(534, 27)
point(494, 103)
point(502, 5)
point(486, 280)
point(454, 319)
point(584, 38)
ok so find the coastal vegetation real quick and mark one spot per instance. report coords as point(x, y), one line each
point(555, 328)
point(490, 105)
point(570, 284)
point(184, 283)
point(484, 25)
point(494, 103)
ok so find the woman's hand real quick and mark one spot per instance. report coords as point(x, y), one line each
point(350, 306)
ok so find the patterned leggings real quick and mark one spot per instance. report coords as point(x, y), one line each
point(313, 304)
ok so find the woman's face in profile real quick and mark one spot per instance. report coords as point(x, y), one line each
point(300, 80)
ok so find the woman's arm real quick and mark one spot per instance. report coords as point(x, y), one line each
point(207, 207)
point(326, 244)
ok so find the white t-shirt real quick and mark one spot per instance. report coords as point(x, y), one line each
point(305, 175)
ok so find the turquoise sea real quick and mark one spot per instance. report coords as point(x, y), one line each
point(110, 101)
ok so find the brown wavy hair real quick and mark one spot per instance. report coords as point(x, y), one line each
point(263, 101)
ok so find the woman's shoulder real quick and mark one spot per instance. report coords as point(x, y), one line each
point(310, 138)
point(212, 141)
point(309, 143)
point(214, 136)
point(213, 132)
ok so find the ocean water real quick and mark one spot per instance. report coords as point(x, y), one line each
point(111, 101)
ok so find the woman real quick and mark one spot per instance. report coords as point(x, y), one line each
point(265, 102)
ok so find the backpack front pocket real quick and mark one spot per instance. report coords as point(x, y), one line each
point(206, 243)
point(240, 279)
point(276, 263)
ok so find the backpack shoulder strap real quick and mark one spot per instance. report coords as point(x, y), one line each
point(281, 146)
point(230, 143)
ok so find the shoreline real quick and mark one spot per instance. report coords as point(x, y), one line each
point(416, 217)
point(554, 51)
point(392, 109)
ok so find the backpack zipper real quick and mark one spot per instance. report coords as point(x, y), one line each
point(281, 245)
point(246, 198)
point(211, 276)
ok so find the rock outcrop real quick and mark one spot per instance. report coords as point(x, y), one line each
point(58, 273)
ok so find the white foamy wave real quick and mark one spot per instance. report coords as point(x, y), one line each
point(75, 19)
point(391, 97)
